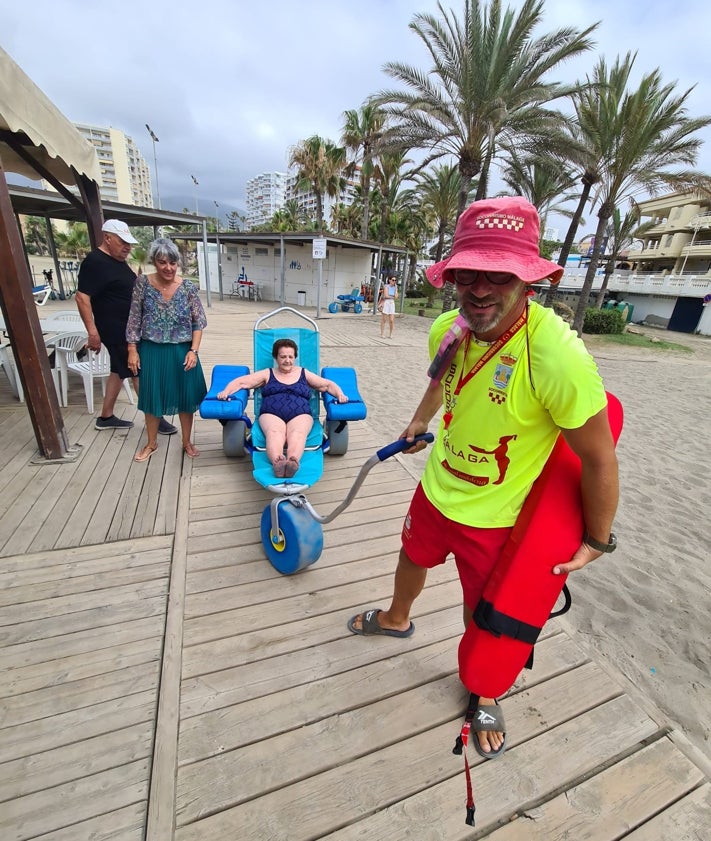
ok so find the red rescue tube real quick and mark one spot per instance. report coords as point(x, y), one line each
point(522, 590)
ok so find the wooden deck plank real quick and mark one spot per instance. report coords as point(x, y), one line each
point(231, 727)
point(111, 497)
point(67, 506)
point(82, 799)
point(55, 767)
point(53, 731)
point(261, 677)
point(80, 694)
point(605, 807)
point(80, 584)
point(62, 605)
point(157, 472)
point(68, 569)
point(35, 515)
point(64, 670)
point(125, 824)
point(66, 645)
point(367, 785)
point(685, 820)
point(101, 616)
point(46, 559)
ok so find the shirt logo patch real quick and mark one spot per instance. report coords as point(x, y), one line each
point(502, 375)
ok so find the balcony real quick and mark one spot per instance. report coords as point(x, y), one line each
point(676, 286)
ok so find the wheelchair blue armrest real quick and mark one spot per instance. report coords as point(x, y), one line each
point(232, 409)
point(355, 408)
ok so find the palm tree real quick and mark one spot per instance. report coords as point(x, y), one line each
point(543, 181)
point(389, 176)
point(361, 134)
point(35, 233)
point(438, 190)
point(75, 242)
point(486, 85)
point(320, 166)
point(640, 134)
point(291, 217)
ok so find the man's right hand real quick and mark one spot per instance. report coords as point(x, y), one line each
point(414, 428)
point(94, 341)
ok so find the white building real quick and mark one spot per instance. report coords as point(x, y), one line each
point(306, 199)
point(265, 195)
point(125, 175)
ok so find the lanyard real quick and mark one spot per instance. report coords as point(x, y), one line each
point(479, 364)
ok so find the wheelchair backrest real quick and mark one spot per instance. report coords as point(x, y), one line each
point(307, 341)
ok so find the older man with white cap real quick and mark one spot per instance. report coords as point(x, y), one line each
point(510, 376)
point(104, 300)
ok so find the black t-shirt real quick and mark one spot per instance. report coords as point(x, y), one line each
point(109, 284)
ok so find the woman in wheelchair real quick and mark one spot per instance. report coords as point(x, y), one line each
point(285, 412)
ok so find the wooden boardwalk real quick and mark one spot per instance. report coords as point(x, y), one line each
point(161, 680)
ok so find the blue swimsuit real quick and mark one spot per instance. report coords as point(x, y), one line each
point(286, 401)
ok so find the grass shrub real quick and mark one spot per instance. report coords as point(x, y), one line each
point(603, 321)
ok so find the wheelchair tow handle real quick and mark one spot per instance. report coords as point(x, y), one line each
point(402, 444)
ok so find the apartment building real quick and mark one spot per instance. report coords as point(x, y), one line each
point(265, 194)
point(679, 242)
point(125, 175)
point(306, 199)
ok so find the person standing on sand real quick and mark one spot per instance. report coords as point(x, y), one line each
point(386, 304)
point(511, 376)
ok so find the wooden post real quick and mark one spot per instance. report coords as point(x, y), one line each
point(22, 324)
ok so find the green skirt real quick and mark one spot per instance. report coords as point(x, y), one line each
point(165, 387)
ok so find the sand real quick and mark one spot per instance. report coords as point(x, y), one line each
point(645, 608)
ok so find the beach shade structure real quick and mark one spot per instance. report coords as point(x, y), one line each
point(37, 141)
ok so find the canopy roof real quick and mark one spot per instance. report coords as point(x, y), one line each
point(29, 119)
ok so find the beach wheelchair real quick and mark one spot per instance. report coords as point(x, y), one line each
point(291, 529)
point(345, 302)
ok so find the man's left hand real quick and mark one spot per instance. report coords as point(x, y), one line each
point(581, 558)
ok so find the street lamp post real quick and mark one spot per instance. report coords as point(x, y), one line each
point(155, 161)
point(217, 217)
point(196, 183)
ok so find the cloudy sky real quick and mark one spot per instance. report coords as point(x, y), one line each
point(228, 86)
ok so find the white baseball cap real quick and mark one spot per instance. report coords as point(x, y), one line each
point(116, 226)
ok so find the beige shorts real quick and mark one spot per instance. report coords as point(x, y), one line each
point(389, 307)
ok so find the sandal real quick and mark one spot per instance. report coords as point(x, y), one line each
point(291, 467)
point(146, 453)
point(489, 717)
point(191, 451)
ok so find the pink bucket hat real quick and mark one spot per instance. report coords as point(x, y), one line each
point(497, 235)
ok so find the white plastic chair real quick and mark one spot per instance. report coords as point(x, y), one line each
point(95, 366)
point(66, 346)
point(7, 363)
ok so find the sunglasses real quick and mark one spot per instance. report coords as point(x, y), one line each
point(465, 277)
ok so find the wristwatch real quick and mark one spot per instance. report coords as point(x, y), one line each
point(610, 546)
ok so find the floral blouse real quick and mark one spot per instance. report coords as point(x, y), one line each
point(165, 322)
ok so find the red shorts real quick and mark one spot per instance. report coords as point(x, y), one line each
point(428, 537)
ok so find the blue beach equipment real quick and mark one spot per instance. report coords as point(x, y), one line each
point(291, 531)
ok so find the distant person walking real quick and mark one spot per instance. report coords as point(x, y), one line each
point(104, 299)
point(386, 304)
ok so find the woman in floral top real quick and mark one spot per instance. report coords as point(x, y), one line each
point(163, 332)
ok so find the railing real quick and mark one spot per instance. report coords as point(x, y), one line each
point(686, 285)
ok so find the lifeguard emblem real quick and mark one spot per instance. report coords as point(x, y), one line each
point(504, 369)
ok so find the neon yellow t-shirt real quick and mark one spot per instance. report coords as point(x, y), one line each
point(506, 419)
